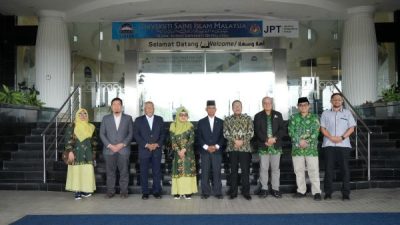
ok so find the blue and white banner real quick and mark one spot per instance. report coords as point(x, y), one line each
point(189, 29)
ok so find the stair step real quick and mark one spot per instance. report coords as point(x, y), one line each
point(23, 165)
point(37, 146)
point(30, 155)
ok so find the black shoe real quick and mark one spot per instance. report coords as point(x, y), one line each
point(219, 196)
point(204, 196)
point(263, 193)
point(317, 197)
point(145, 196)
point(110, 195)
point(346, 197)
point(157, 195)
point(327, 196)
point(276, 194)
point(299, 195)
point(232, 196)
point(247, 197)
point(124, 195)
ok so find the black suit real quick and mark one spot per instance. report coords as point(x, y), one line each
point(207, 137)
point(145, 135)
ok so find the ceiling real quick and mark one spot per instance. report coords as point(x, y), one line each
point(118, 10)
point(320, 15)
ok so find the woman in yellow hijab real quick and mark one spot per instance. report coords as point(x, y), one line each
point(81, 148)
point(184, 182)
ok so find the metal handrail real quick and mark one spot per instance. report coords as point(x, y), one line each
point(369, 132)
point(54, 120)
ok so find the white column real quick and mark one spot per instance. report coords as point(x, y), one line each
point(53, 60)
point(359, 56)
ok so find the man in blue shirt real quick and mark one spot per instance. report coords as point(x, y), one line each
point(337, 124)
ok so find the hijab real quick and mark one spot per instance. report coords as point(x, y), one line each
point(179, 127)
point(83, 129)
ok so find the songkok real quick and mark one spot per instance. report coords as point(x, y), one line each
point(210, 103)
point(302, 99)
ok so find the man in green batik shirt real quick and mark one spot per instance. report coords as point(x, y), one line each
point(238, 131)
point(304, 131)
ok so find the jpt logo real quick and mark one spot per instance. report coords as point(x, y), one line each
point(273, 29)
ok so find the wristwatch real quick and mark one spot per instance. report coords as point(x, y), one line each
point(342, 137)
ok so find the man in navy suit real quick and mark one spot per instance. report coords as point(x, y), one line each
point(116, 132)
point(210, 140)
point(149, 133)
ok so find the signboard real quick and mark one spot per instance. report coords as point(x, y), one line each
point(197, 44)
point(186, 29)
point(284, 28)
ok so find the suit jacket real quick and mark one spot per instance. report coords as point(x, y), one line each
point(260, 128)
point(204, 135)
point(110, 135)
point(144, 135)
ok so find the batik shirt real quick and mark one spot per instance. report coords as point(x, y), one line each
point(306, 128)
point(238, 128)
point(270, 149)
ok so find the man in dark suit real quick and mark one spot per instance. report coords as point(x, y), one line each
point(210, 140)
point(116, 132)
point(149, 133)
point(269, 130)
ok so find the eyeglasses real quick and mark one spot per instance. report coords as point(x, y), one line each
point(82, 114)
point(183, 115)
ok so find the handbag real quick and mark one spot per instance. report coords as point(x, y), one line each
point(66, 159)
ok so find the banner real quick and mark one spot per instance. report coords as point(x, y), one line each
point(198, 44)
point(284, 28)
point(188, 29)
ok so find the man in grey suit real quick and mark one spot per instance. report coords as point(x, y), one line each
point(116, 132)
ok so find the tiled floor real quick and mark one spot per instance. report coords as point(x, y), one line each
point(16, 204)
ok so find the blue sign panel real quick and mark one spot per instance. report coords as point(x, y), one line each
point(190, 29)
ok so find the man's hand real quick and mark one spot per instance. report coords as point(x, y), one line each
point(238, 143)
point(211, 148)
point(270, 141)
point(303, 143)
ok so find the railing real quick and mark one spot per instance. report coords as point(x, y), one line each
point(357, 142)
point(51, 137)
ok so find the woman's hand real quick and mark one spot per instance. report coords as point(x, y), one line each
point(71, 157)
point(181, 153)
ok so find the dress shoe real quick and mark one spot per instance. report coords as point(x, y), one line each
point(263, 193)
point(124, 195)
point(317, 197)
point(276, 194)
point(345, 197)
point(157, 195)
point(145, 196)
point(110, 195)
point(327, 196)
point(247, 197)
point(232, 196)
point(203, 196)
point(299, 195)
point(219, 196)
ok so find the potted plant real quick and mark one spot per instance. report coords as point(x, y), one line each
point(391, 100)
point(19, 105)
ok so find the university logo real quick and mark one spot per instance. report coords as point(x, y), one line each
point(126, 28)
